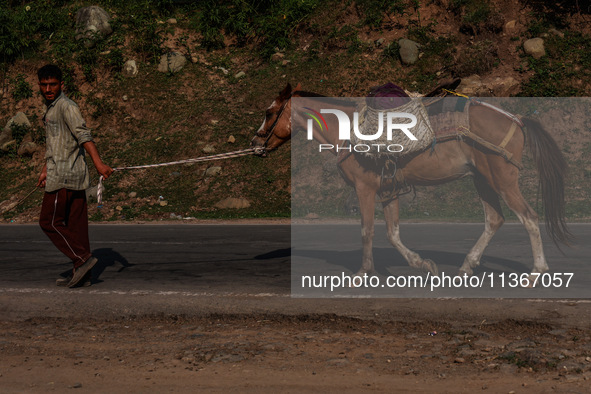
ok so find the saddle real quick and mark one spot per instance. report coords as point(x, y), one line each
point(450, 119)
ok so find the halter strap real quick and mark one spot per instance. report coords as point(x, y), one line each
point(272, 128)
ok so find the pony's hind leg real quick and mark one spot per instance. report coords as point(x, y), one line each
point(393, 228)
point(366, 196)
point(528, 217)
point(493, 220)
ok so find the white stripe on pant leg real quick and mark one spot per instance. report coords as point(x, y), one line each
point(57, 231)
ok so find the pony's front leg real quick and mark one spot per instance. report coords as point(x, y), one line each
point(391, 215)
point(493, 220)
point(366, 198)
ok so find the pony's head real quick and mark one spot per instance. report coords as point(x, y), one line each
point(276, 127)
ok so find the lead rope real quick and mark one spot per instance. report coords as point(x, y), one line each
point(16, 204)
point(221, 156)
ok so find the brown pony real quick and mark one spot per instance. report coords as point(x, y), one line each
point(493, 176)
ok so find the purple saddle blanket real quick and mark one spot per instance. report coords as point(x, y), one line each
point(387, 96)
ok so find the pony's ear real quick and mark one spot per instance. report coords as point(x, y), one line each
point(285, 93)
point(298, 87)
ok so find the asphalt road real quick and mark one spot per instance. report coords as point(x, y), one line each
point(216, 269)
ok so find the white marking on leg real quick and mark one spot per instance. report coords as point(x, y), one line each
point(412, 258)
point(531, 225)
point(473, 257)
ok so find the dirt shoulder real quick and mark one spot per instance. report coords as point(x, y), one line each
point(124, 342)
point(303, 353)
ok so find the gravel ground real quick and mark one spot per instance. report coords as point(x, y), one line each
point(297, 353)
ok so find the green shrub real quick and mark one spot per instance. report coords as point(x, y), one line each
point(69, 77)
point(19, 131)
point(88, 59)
point(477, 16)
point(21, 88)
point(563, 70)
point(392, 51)
point(115, 60)
point(267, 23)
point(375, 11)
point(148, 41)
point(17, 31)
point(479, 58)
point(21, 26)
point(101, 106)
point(438, 57)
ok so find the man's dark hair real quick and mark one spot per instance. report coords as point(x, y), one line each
point(50, 71)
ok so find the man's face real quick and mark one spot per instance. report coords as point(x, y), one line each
point(50, 88)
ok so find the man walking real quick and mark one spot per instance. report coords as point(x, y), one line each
point(65, 177)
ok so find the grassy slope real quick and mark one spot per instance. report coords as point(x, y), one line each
point(171, 117)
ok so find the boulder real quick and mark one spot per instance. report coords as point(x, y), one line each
point(476, 86)
point(27, 149)
point(27, 146)
point(6, 133)
point(510, 27)
point(130, 69)
point(212, 171)
point(208, 149)
point(556, 32)
point(502, 86)
point(277, 57)
point(409, 51)
point(535, 47)
point(233, 203)
point(19, 119)
point(92, 23)
point(472, 86)
point(5, 136)
point(5, 147)
point(172, 62)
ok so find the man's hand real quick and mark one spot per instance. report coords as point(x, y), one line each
point(42, 177)
point(104, 170)
point(101, 167)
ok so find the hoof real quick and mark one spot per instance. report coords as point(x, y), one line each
point(465, 271)
point(361, 274)
point(430, 266)
point(532, 281)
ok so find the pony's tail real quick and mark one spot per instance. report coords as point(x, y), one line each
point(552, 169)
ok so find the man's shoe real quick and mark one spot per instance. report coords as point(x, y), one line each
point(80, 272)
point(63, 282)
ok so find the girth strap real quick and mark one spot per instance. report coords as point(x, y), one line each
point(509, 135)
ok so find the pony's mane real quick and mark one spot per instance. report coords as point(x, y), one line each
point(332, 100)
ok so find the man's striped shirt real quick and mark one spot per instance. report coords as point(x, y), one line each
point(65, 132)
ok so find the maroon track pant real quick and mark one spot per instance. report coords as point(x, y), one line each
point(64, 219)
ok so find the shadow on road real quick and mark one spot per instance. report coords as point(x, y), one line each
point(385, 258)
point(276, 254)
point(108, 257)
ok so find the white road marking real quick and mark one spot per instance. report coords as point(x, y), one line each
point(145, 292)
point(237, 295)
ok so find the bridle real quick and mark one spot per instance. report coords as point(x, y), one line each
point(262, 149)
